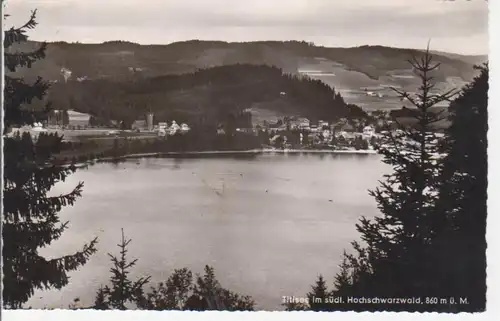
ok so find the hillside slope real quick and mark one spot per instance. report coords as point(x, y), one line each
point(362, 75)
point(210, 95)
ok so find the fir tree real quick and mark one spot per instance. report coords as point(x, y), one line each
point(460, 252)
point(394, 262)
point(30, 217)
point(319, 295)
point(18, 94)
point(122, 290)
point(100, 300)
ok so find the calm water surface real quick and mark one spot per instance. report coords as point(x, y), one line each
point(269, 224)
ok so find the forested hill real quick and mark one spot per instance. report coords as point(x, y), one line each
point(124, 59)
point(210, 94)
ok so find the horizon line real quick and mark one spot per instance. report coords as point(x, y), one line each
point(252, 41)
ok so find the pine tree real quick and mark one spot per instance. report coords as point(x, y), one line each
point(100, 300)
point(460, 252)
point(30, 217)
point(17, 93)
point(394, 262)
point(122, 289)
point(319, 295)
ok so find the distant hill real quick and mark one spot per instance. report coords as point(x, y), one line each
point(208, 95)
point(470, 59)
point(356, 72)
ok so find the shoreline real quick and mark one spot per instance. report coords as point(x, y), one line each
point(228, 152)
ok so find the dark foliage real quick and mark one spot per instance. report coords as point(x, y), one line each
point(425, 244)
point(122, 290)
point(17, 93)
point(460, 251)
point(178, 292)
point(318, 297)
point(30, 217)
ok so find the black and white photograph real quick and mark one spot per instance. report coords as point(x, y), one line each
point(227, 155)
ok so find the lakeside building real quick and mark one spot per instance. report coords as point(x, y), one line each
point(322, 123)
point(185, 128)
point(253, 131)
point(304, 123)
point(149, 121)
point(78, 120)
point(139, 125)
point(174, 128)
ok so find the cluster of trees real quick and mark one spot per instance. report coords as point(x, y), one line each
point(181, 291)
point(429, 240)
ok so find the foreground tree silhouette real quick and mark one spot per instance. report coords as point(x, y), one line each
point(122, 289)
point(460, 254)
point(178, 292)
point(30, 217)
point(394, 263)
point(318, 297)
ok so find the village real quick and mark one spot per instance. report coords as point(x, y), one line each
point(285, 133)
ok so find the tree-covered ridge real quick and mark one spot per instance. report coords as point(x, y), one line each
point(210, 94)
point(113, 58)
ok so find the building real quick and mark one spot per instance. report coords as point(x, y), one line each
point(149, 121)
point(139, 125)
point(315, 129)
point(162, 125)
point(252, 131)
point(304, 123)
point(162, 132)
point(322, 123)
point(78, 120)
point(174, 128)
point(184, 128)
point(327, 134)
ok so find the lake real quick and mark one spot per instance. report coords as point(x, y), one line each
point(269, 224)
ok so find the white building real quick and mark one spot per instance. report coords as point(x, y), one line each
point(322, 123)
point(304, 123)
point(162, 132)
point(184, 128)
point(174, 128)
point(162, 125)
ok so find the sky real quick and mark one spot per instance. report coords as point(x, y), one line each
point(458, 26)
